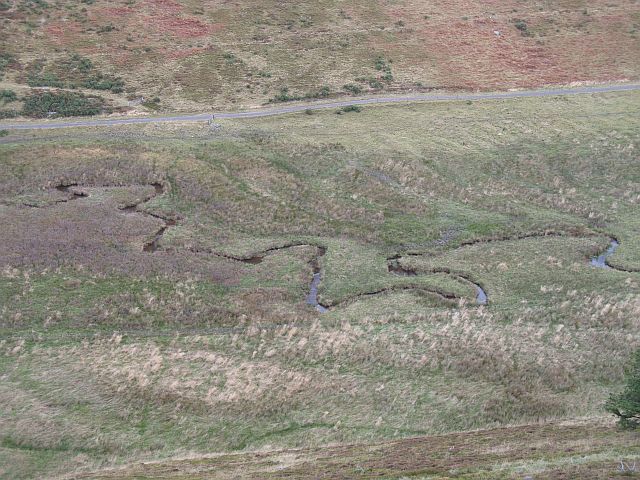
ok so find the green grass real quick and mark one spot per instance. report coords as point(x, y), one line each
point(110, 355)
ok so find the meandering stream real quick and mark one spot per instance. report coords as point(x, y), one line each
point(394, 266)
point(393, 263)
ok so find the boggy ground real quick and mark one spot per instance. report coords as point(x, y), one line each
point(111, 354)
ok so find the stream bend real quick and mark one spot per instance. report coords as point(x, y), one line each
point(393, 263)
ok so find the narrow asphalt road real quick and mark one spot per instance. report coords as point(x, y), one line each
point(266, 112)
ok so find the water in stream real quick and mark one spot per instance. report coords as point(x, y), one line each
point(312, 298)
point(601, 260)
point(481, 296)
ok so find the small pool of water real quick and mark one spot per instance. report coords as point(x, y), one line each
point(601, 260)
point(312, 298)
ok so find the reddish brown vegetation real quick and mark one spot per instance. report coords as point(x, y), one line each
point(472, 56)
point(182, 27)
point(165, 16)
point(455, 44)
point(113, 12)
point(166, 6)
point(63, 33)
point(477, 46)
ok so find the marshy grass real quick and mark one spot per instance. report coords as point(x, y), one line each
point(111, 355)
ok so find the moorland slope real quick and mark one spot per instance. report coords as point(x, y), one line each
point(203, 55)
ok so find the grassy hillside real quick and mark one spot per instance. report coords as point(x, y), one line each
point(153, 282)
point(199, 55)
